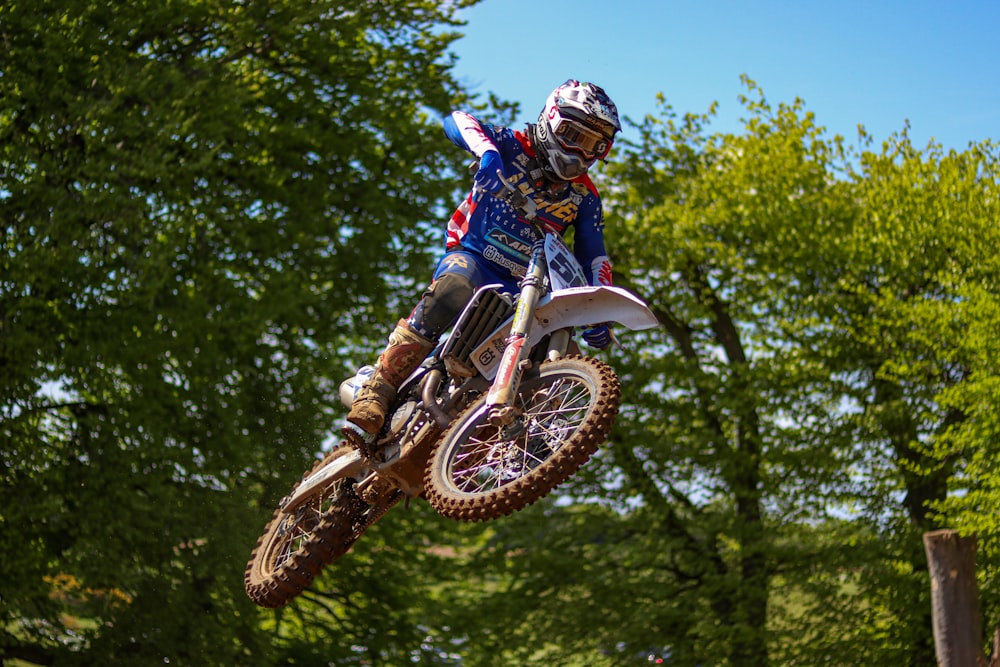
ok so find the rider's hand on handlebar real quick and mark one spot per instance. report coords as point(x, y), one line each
point(598, 336)
point(487, 178)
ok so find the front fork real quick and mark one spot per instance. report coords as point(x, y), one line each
point(500, 397)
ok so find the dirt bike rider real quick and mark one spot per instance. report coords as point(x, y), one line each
point(488, 242)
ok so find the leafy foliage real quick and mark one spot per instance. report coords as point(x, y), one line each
point(212, 210)
point(208, 207)
point(790, 430)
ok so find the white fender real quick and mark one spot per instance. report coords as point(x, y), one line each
point(348, 464)
point(572, 307)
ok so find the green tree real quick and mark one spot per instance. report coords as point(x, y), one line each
point(700, 477)
point(895, 313)
point(781, 448)
point(734, 440)
point(207, 207)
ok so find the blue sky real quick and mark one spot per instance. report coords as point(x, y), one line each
point(875, 63)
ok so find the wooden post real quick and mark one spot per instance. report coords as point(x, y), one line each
point(951, 560)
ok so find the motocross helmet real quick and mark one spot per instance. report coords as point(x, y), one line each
point(575, 129)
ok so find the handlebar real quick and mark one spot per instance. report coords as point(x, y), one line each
point(524, 205)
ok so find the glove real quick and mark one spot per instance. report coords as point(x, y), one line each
point(598, 336)
point(486, 178)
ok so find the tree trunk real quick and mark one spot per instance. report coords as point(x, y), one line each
point(951, 560)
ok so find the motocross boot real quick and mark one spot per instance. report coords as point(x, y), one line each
point(406, 350)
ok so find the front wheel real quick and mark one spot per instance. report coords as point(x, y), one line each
point(484, 470)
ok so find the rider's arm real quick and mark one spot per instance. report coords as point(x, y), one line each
point(588, 242)
point(466, 132)
point(481, 140)
point(588, 246)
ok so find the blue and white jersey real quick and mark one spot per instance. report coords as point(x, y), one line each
point(489, 227)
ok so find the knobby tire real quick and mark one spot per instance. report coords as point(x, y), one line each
point(294, 548)
point(481, 472)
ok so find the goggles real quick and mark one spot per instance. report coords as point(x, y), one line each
point(575, 136)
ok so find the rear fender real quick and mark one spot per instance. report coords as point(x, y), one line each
point(572, 307)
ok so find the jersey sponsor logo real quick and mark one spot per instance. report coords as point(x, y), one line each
point(562, 210)
point(497, 257)
point(506, 241)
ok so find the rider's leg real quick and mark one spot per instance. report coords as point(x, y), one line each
point(405, 351)
point(441, 304)
point(409, 344)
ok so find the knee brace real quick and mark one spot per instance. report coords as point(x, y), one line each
point(441, 304)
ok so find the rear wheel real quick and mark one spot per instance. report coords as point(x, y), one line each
point(296, 546)
point(563, 412)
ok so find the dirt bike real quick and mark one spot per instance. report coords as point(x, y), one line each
point(497, 416)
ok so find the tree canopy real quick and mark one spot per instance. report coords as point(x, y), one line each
point(208, 208)
point(213, 211)
point(806, 410)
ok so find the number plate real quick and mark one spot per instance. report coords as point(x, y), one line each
point(564, 270)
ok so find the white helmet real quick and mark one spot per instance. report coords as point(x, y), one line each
point(575, 129)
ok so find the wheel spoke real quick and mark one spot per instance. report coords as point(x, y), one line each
point(299, 528)
point(487, 460)
point(562, 412)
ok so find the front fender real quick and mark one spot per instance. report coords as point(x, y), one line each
point(572, 307)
